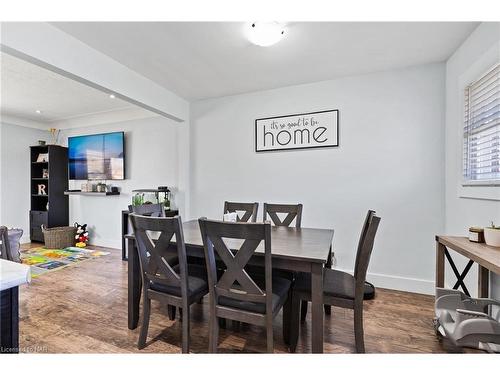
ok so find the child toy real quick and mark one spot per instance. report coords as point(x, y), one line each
point(82, 235)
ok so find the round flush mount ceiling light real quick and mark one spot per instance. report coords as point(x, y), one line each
point(265, 34)
point(38, 111)
point(112, 96)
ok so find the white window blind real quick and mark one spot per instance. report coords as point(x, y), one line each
point(482, 128)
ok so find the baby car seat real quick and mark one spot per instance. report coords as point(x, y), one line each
point(466, 321)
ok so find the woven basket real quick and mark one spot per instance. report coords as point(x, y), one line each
point(59, 237)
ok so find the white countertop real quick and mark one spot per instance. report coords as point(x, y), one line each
point(13, 274)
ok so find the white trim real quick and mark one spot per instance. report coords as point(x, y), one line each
point(405, 284)
point(101, 118)
point(491, 193)
point(107, 242)
point(481, 183)
point(25, 239)
point(24, 122)
point(91, 119)
point(61, 119)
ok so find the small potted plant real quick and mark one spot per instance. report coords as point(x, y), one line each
point(492, 235)
point(138, 199)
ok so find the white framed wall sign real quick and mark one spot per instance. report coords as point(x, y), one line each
point(296, 132)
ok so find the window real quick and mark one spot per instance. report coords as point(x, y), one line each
point(482, 129)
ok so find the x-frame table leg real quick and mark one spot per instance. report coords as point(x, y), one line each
point(460, 276)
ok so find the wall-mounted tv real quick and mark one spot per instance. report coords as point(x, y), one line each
point(97, 157)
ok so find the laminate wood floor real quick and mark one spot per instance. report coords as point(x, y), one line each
point(83, 309)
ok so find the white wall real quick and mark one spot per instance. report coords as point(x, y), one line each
point(1, 176)
point(479, 52)
point(15, 168)
point(390, 159)
point(151, 160)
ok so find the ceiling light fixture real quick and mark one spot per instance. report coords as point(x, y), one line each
point(38, 111)
point(112, 96)
point(265, 34)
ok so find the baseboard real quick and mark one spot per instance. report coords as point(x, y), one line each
point(405, 284)
point(105, 242)
point(25, 240)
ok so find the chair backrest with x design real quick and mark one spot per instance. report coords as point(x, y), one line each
point(236, 283)
point(154, 255)
point(293, 211)
point(362, 235)
point(248, 211)
point(364, 251)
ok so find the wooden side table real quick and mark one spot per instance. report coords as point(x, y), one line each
point(487, 258)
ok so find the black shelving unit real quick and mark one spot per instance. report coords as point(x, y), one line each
point(51, 208)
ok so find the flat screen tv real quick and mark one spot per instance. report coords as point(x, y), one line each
point(97, 157)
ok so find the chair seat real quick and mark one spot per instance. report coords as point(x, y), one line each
point(197, 283)
point(281, 286)
point(335, 283)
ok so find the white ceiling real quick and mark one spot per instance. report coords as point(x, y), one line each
point(26, 87)
point(200, 60)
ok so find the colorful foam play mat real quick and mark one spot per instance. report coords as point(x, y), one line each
point(43, 260)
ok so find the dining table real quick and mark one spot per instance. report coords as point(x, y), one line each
point(293, 249)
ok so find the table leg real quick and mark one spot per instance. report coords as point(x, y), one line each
point(329, 261)
point(317, 307)
point(440, 249)
point(134, 285)
point(124, 232)
point(483, 282)
point(459, 276)
point(9, 321)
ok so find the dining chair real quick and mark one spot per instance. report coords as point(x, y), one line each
point(175, 284)
point(369, 289)
point(340, 288)
point(293, 211)
point(238, 295)
point(248, 210)
point(157, 210)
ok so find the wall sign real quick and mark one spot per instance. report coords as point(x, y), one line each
point(292, 132)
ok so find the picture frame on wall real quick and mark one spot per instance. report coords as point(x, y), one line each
point(297, 132)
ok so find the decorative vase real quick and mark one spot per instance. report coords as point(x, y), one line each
point(492, 237)
point(54, 135)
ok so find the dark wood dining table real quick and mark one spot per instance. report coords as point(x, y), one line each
point(293, 249)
